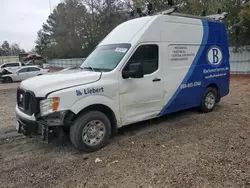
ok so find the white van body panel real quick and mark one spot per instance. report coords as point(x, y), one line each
point(59, 81)
point(137, 101)
point(107, 95)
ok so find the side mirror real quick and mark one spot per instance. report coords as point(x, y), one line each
point(135, 71)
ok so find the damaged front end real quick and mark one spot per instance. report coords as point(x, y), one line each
point(54, 125)
point(3, 73)
point(31, 122)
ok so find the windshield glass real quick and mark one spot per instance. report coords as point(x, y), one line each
point(105, 58)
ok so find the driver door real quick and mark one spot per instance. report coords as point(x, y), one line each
point(141, 98)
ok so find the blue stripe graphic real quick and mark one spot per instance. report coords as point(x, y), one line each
point(192, 67)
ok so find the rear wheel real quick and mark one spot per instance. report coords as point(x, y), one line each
point(7, 80)
point(90, 131)
point(209, 100)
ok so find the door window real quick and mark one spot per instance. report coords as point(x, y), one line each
point(148, 56)
point(23, 70)
point(32, 69)
point(7, 65)
point(15, 64)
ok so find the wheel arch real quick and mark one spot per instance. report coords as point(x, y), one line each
point(8, 77)
point(215, 86)
point(105, 110)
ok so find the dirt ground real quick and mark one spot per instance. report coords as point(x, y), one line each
point(185, 149)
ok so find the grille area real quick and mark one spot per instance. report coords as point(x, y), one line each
point(27, 102)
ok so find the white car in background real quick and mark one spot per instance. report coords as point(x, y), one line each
point(11, 66)
point(22, 73)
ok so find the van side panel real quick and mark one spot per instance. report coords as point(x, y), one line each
point(221, 41)
point(210, 66)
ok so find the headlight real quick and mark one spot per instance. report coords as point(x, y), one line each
point(50, 105)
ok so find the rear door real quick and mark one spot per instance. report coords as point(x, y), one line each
point(33, 71)
point(22, 74)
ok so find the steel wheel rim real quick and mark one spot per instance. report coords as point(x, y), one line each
point(210, 100)
point(93, 133)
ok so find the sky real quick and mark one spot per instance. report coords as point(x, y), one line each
point(21, 19)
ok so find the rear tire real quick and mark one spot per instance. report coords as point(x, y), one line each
point(90, 131)
point(8, 80)
point(209, 100)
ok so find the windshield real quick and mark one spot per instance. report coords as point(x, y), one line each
point(105, 58)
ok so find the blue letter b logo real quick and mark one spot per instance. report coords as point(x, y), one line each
point(215, 56)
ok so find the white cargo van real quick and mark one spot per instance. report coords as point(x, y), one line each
point(143, 69)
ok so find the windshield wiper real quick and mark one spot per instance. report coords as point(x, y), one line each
point(89, 68)
point(93, 69)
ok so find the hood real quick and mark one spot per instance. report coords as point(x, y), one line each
point(42, 85)
point(6, 72)
point(12, 70)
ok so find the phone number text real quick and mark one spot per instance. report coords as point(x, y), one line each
point(190, 85)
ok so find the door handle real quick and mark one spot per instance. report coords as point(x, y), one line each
point(156, 79)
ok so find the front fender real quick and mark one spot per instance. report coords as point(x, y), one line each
point(83, 103)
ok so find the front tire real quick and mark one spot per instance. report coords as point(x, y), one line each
point(90, 131)
point(8, 80)
point(209, 100)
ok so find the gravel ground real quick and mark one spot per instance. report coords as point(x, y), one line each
point(7, 108)
point(9, 86)
point(185, 149)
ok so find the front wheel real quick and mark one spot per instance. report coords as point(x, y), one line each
point(90, 131)
point(209, 100)
point(7, 80)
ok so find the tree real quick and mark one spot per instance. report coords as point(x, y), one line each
point(61, 36)
point(10, 50)
point(43, 41)
point(15, 49)
point(32, 51)
point(6, 48)
point(105, 15)
point(1, 51)
point(76, 26)
point(244, 25)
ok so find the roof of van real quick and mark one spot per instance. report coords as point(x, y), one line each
point(124, 32)
point(131, 30)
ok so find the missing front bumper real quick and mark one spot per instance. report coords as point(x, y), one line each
point(54, 125)
point(33, 128)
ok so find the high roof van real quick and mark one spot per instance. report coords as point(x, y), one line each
point(145, 68)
